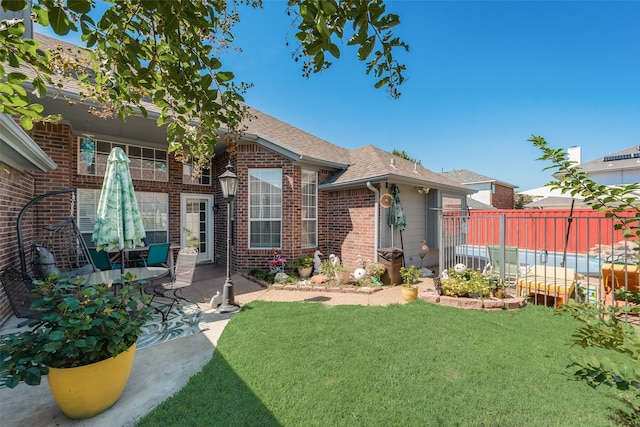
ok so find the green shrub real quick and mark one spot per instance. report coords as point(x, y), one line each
point(463, 284)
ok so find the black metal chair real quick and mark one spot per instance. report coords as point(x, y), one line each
point(185, 267)
point(18, 286)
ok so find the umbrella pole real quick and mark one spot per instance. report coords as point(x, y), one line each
point(122, 262)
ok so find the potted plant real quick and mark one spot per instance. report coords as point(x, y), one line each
point(409, 279)
point(85, 343)
point(343, 275)
point(304, 265)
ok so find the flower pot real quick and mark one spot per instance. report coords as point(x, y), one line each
point(409, 294)
point(343, 277)
point(86, 391)
point(304, 272)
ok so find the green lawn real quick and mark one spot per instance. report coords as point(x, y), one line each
point(306, 364)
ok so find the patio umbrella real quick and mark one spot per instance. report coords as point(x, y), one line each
point(397, 219)
point(118, 222)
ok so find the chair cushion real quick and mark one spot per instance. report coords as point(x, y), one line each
point(44, 263)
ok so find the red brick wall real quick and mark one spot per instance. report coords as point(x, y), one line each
point(16, 189)
point(350, 225)
point(503, 198)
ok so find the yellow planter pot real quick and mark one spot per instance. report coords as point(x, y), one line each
point(86, 391)
point(409, 294)
point(305, 272)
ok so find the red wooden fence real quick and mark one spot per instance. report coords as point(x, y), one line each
point(550, 229)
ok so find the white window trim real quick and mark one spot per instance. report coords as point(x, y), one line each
point(252, 220)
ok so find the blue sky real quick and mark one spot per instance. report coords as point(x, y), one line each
point(483, 76)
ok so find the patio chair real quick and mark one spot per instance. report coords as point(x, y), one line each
point(550, 285)
point(619, 276)
point(511, 268)
point(185, 267)
point(18, 286)
point(156, 257)
point(100, 259)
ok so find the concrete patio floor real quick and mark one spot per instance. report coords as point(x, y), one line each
point(161, 370)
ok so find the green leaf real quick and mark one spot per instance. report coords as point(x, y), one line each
point(26, 122)
point(79, 6)
point(366, 48)
point(59, 20)
point(14, 5)
point(42, 16)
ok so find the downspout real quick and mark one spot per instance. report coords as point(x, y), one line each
point(376, 220)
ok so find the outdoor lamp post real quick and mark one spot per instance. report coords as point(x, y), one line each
point(229, 186)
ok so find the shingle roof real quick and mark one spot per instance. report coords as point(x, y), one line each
point(467, 177)
point(371, 163)
point(353, 166)
point(629, 158)
point(304, 143)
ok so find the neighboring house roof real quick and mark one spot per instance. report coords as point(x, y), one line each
point(541, 192)
point(371, 164)
point(467, 177)
point(477, 205)
point(629, 158)
point(554, 202)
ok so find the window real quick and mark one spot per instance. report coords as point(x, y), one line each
point(146, 163)
point(153, 207)
point(265, 208)
point(309, 209)
point(187, 175)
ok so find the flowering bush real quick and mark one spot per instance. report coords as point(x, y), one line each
point(465, 282)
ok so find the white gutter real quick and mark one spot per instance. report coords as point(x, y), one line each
point(376, 220)
point(19, 150)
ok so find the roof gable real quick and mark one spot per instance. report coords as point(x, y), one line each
point(467, 177)
point(370, 163)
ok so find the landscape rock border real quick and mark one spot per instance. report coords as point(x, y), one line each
point(489, 304)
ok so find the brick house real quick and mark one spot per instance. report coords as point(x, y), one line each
point(490, 191)
point(297, 193)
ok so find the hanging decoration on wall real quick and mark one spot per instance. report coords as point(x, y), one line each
point(87, 150)
point(386, 200)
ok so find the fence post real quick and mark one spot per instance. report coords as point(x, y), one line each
point(503, 259)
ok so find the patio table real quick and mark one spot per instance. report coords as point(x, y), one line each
point(106, 276)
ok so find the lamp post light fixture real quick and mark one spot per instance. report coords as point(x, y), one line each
point(229, 186)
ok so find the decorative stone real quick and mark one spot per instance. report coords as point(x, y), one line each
point(493, 304)
point(303, 288)
point(290, 288)
point(281, 277)
point(319, 278)
point(431, 297)
point(349, 290)
point(514, 303)
point(319, 288)
point(470, 303)
point(449, 301)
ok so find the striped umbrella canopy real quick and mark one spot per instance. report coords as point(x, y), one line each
point(118, 222)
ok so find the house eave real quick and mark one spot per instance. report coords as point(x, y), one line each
point(19, 151)
point(395, 179)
